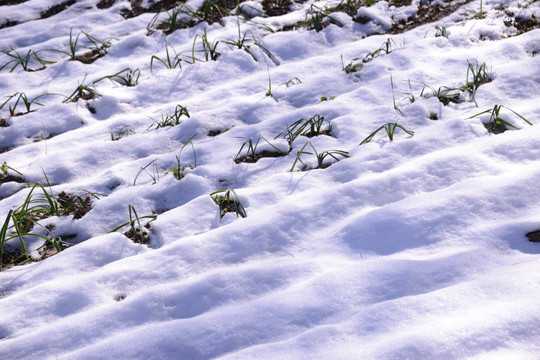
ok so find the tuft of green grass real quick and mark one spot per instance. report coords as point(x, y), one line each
point(173, 119)
point(306, 127)
point(246, 41)
point(127, 77)
point(154, 175)
point(82, 91)
point(5, 170)
point(390, 129)
point(179, 171)
point(170, 61)
point(496, 124)
point(477, 75)
point(357, 64)
point(321, 157)
point(22, 98)
point(228, 202)
point(122, 132)
point(136, 232)
point(24, 61)
point(209, 50)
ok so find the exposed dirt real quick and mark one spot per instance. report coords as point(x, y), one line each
point(8, 23)
point(534, 236)
point(74, 205)
point(9, 178)
point(426, 14)
point(256, 157)
point(276, 7)
point(522, 25)
point(105, 4)
point(11, 2)
point(56, 9)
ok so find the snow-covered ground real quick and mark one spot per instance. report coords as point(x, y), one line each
point(407, 249)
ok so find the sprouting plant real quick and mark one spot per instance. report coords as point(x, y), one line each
point(350, 7)
point(321, 157)
point(292, 81)
point(251, 155)
point(394, 98)
point(178, 17)
point(127, 77)
point(325, 98)
point(390, 129)
point(170, 62)
point(496, 124)
point(307, 127)
point(4, 172)
point(440, 31)
point(179, 170)
point(476, 75)
point(228, 202)
point(82, 91)
point(24, 61)
point(245, 41)
point(433, 116)
point(121, 132)
point(95, 47)
point(154, 174)
point(385, 48)
point(208, 49)
point(479, 14)
point(136, 232)
point(172, 120)
point(210, 11)
point(251, 148)
point(445, 94)
point(21, 98)
point(410, 95)
point(353, 66)
point(315, 18)
point(269, 90)
point(358, 63)
point(40, 206)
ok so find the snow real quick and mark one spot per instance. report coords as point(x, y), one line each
point(407, 249)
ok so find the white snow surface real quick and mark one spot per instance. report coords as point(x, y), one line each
point(408, 249)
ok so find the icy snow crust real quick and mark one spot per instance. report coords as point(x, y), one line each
point(413, 248)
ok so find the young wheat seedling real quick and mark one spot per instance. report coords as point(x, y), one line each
point(228, 202)
point(337, 155)
point(390, 129)
point(496, 124)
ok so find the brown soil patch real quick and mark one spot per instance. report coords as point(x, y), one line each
point(105, 4)
point(256, 157)
point(276, 7)
point(56, 9)
point(11, 2)
point(426, 14)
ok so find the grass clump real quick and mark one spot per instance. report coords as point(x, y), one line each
point(306, 127)
point(7, 176)
point(122, 132)
point(173, 119)
point(83, 91)
point(228, 202)
point(179, 171)
point(170, 61)
point(496, 124)
point(252, 156)
point(24, 61)
point(127, 77)
point(357, 64)
point(135, 231)
point(321, 158)
point(22, 99)
point(390, 129)
point(21, 222)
